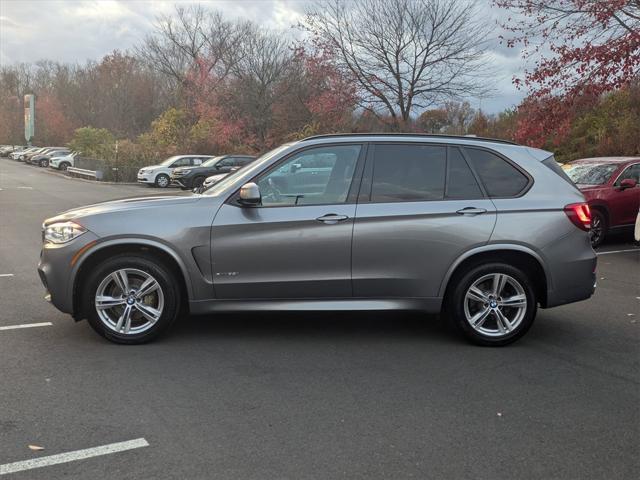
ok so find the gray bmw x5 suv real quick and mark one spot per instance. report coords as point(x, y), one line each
point(482, 230)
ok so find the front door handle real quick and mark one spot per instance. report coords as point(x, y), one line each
point(331, 218)
point(471, 211)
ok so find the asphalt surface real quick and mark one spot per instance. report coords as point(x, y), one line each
point(311, 396)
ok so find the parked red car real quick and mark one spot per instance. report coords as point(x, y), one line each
point(611, 186)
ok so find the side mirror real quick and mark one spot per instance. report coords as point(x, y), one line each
point(250, 194)
point(628, 183)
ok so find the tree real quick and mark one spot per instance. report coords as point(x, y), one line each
point(433, 121)
point(594, 47)
point(404, 54)
point(93, 142)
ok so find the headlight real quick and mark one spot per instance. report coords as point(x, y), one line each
point(142, 171)
point(63, 232)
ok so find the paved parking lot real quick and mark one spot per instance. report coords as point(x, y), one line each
point(301, 396)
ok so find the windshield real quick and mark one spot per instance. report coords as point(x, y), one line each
point(211, 162)
point(253, 166)
point(591, 173)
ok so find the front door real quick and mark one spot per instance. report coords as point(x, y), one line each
point(624, 204)
point(297, 243)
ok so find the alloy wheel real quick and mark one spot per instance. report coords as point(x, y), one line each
point(163, 181)
point(596, 230)
point(129, 301)
point(495, 305)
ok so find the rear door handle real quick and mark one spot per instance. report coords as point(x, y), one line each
point(331, 218)
point(471, 211)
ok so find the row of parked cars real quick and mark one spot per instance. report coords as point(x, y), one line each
point(60, 158)
point(192, 172)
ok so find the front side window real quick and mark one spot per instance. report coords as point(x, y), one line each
point(314, 176)
point(500, 178)
point(182, 162)
point(632, 172)
point(408, 173)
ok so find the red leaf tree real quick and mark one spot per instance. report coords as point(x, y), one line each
point(582, 49)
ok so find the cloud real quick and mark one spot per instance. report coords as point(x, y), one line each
point(79, 30)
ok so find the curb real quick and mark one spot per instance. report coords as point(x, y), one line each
point(62, 175)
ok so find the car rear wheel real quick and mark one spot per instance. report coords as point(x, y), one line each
point(44, 163)
point(492, 304)
point(162, 181)
point(598, 228)
point(131, 299)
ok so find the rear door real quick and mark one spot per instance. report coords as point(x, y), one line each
point(420, 207)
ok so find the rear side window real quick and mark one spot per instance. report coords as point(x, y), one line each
point(461, 183)
point(500, 178)
point(405, 173)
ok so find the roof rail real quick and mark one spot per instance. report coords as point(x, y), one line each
point(426, 135)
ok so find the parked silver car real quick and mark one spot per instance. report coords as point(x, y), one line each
point(483, 230)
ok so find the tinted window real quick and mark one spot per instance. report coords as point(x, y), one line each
point(227, 162)
point(461, 182)
point(315, 176)
point(500, 178)
point(183, 162)
point(408, 173)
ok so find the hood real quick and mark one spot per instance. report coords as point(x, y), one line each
point(152, 167)
point(215, 178)
point(120, 205)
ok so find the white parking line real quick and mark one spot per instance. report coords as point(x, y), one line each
point(619, 251)
point(72, 456)
point(26, 188)
point(26, 325)
point(6, 274)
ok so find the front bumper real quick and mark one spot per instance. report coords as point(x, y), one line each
point(178, 181)
point(145, 178)
point(57, 270)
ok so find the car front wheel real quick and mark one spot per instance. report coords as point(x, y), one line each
point(131, 299)
point(492, 304)
point(162, 181)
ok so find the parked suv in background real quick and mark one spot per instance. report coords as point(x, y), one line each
point(42, 159)
point(63, 162)
point(160, 175)
point(611, 186)
point(189, 178)
point(19, 154)
point(480, 229)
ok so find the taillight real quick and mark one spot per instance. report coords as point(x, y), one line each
point(580, 215)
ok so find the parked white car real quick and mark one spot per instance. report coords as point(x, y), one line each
point(159, 175)
point(62, 162)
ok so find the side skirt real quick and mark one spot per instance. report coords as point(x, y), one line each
point(427, 304)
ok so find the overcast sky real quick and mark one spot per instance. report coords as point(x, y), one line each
point(77, 30)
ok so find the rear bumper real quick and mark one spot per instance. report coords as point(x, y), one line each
point(572, 265)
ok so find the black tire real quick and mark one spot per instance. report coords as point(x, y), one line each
point(161, 273)
point(64, 165)
point(162, 181)
point(44, 163)
point(455, 303)
point(197, 182)
point(599, 227)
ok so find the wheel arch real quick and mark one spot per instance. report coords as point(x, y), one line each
point(517, 255)
point(104, 250)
